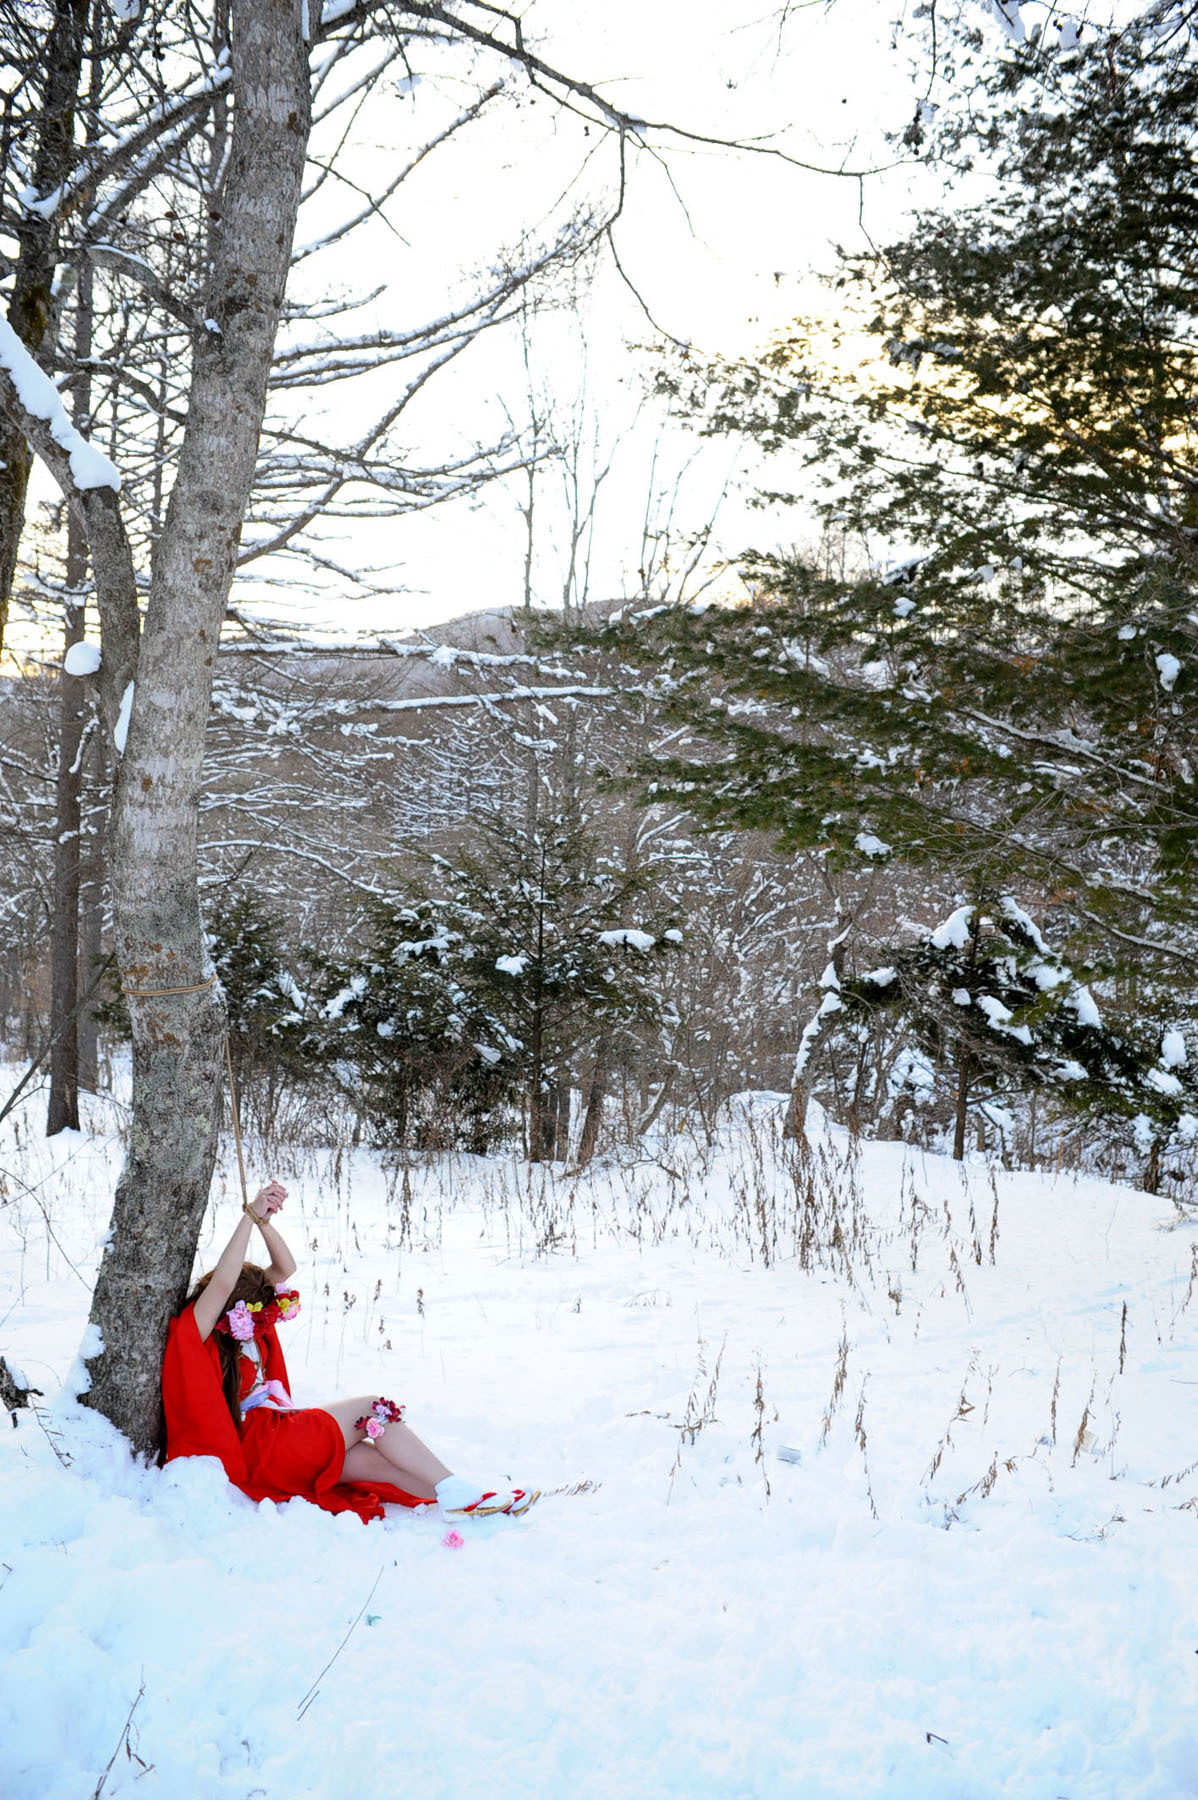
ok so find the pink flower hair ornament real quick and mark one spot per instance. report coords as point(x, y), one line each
point(250, 1318)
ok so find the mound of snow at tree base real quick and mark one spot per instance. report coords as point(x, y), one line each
point(976, 1580)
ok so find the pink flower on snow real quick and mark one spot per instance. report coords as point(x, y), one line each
point(453, 1540)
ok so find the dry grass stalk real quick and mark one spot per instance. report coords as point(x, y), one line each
point(1164, 1481)
point(838, 1381)
point(964, 1408)
point(986, 1484)
point(1189, 1293)
point(862, 1440)
point(757, 1438)
point(1056, 1394)
point(699, 1413)
point(993, 1215)
point(1085, 1436)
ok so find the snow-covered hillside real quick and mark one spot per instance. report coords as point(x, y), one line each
point(891, 1492)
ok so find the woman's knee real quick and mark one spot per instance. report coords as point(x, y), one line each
point(365, 1416)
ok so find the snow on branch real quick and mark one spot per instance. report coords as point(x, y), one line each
point(1006, 14)
point(92, 484)
point(500, 697)
point(334, 358)
point(107, 256)
point(374, 205)
point(38, 398)
point(140, 149)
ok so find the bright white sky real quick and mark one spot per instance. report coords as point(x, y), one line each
point(722, 245)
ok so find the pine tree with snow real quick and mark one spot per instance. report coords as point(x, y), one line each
point(264, 1004)
point(525, 949)
point(559, 948)
point(998, 692)
point(1006, 685)
point(998, 1014)
point(424, 1060)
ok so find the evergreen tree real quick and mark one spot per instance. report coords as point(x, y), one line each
point(1011, 684)
point(996, 1011)
point(559, 949)
point(1005, 694)
point(480, 993)
point(426, 1062)
point(265, 1004)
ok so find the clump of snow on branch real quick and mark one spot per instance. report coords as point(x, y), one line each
point(1085, 1007)
point(635, 940)
point(337, 1005)
point(1000, 1016)
point(954, 933)
point(42, 400)
point(1168, 668)
point(81, 659)
point(1006, 14)
point(1013, 911)
point(1173, 1056)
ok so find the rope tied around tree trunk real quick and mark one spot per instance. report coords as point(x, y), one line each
point(197, 987)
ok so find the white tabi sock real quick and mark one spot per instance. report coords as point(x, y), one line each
point(454, 1493)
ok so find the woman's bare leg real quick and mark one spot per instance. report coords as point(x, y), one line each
point(407, 1462)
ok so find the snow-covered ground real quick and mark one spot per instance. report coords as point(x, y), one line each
point(892, 1493)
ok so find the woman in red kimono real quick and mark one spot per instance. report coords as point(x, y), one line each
point(225, 1393)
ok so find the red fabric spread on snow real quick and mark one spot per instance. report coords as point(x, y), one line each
point(198, 1423)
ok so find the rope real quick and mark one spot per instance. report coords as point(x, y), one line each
point(197, 987)
point(234, 1115)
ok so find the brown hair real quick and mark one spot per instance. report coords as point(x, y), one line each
point(252, 1284)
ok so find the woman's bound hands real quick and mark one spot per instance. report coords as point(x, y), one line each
point(267, 1201)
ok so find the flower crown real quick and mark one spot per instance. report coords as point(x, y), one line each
point(250, 1318)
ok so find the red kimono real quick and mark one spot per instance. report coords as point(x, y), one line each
point(275, 1455)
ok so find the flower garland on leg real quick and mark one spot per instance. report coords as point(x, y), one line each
point(381, 1414)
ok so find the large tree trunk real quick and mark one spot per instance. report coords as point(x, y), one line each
point(29, 308)
point(63, 1109)
point(91, 926)
point(177, 1037)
